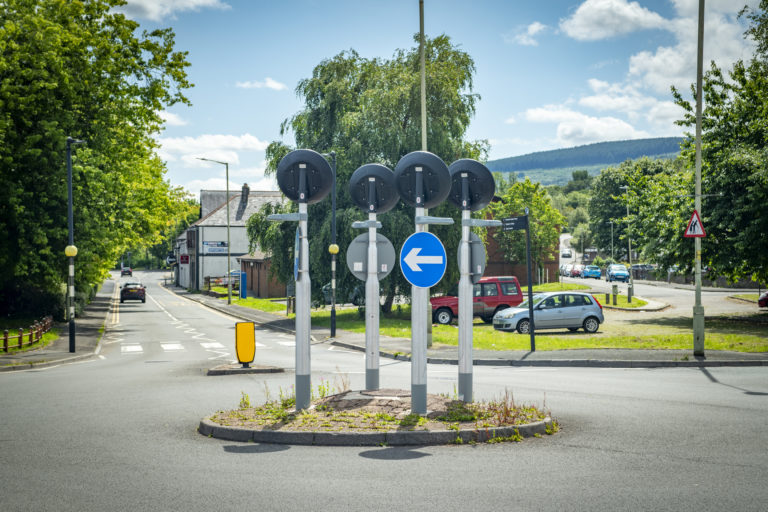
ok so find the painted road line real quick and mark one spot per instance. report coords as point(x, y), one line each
point(131, 348)
point(172, 347)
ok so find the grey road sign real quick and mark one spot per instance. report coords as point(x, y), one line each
point(357, 256)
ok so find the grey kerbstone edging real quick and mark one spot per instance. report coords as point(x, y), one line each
point(46, 364)
point(398, 438)
point(237, 369)
point(573, 363)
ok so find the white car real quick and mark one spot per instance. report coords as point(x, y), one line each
point(553, 310)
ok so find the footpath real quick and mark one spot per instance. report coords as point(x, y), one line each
point(91, 324)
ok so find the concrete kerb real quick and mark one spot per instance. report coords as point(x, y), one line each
point(395, 438)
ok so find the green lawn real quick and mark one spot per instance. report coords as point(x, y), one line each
point(13, 324)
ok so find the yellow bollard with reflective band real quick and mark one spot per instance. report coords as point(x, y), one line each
point(245, 342)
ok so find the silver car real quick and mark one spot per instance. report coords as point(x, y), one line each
point(553, 310)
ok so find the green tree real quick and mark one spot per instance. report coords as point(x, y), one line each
point(545, 222)
point(78, 69)
point(368, 110)
point(734, 160)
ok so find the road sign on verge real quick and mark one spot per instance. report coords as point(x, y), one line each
point(514, 223)
point(695, 228)
point(422, 259)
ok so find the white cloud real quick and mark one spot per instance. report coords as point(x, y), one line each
point(171, 119)
point(576, 128)
point(525, 36)
point(225, 148)
point(510, 120)
point(267, 83)
point(602, 19)
point(156, 10)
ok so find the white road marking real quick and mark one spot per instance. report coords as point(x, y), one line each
point(287, 343)
point(131, 349)
point(209, 344)
point(170, 347)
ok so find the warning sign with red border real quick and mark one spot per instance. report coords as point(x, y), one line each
point(695, 228)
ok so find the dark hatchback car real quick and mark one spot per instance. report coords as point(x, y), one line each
point(126, 271)
point(133, 291)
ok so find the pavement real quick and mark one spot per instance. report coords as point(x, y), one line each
point(90, 328)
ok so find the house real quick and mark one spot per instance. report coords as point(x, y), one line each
point(201, 250)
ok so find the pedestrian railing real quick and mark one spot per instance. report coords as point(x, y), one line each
point(29, 337)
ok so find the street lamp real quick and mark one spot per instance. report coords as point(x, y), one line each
point(229, 256)
point(631, 286)
point(333, 249)
point(71, 251)
point(611, 223)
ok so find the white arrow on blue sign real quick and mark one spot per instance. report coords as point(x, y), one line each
point(422, 259)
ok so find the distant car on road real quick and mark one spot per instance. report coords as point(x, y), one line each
point(133, 291)
point(566, 253)
point(126, 271)
point(617, 273)
point(576, 270)
point(553, 310)
point(490, 295)
point(762, 301)
point(591, 271)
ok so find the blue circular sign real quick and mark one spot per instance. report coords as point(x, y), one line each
point(422, 259)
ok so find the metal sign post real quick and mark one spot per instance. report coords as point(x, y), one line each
point(372, 188)
point(423, 181)
point(515, 224)
point(306, 177)
point(472, 188)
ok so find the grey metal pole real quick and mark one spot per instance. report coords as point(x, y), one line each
point(372, 306)
point(465, 299)
point(631, 286)
point(423, 78)
point(698, 308)
point(419, 306)
point(303, 290)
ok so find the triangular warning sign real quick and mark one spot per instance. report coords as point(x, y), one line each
point(695, 228)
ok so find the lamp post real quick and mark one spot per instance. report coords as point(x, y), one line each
point(611, 223)
point(71, 251)
point(333, 249)
point(229, 257)
point(631, 286)
point(698, 308)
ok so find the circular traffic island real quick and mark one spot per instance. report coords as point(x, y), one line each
point(379, 418)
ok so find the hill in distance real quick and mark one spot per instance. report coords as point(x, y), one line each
point(556, 166)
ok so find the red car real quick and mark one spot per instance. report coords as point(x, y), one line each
point(762, 302)
point(490, 294)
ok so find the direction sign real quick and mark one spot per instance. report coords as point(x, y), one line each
point(357, 256)
point(695, 228)
point(422, 259)
point(514, 223)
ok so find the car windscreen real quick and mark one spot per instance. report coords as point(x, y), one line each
point(536, 299)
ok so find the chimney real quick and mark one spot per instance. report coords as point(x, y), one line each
point(246, 191)
point(243, 202)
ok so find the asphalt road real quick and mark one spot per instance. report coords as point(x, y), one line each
point(119, 433)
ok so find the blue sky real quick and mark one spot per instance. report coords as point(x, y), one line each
point(551, 74)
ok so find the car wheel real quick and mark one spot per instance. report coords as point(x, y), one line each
point(591, 324)
point(444, 316)
point(524, 326)
point(143, 300)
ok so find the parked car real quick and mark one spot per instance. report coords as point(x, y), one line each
point(617, 273)
point(591, 271)
point(553, 310)
point(566, 253)
point(126, 271)
point(762, 301)
point(133, 291)
point(576, 270)
point(567, 270)
point(490, 295)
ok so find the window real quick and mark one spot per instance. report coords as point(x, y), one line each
point(489, 290)
point(476, 291)
point(509, 288)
